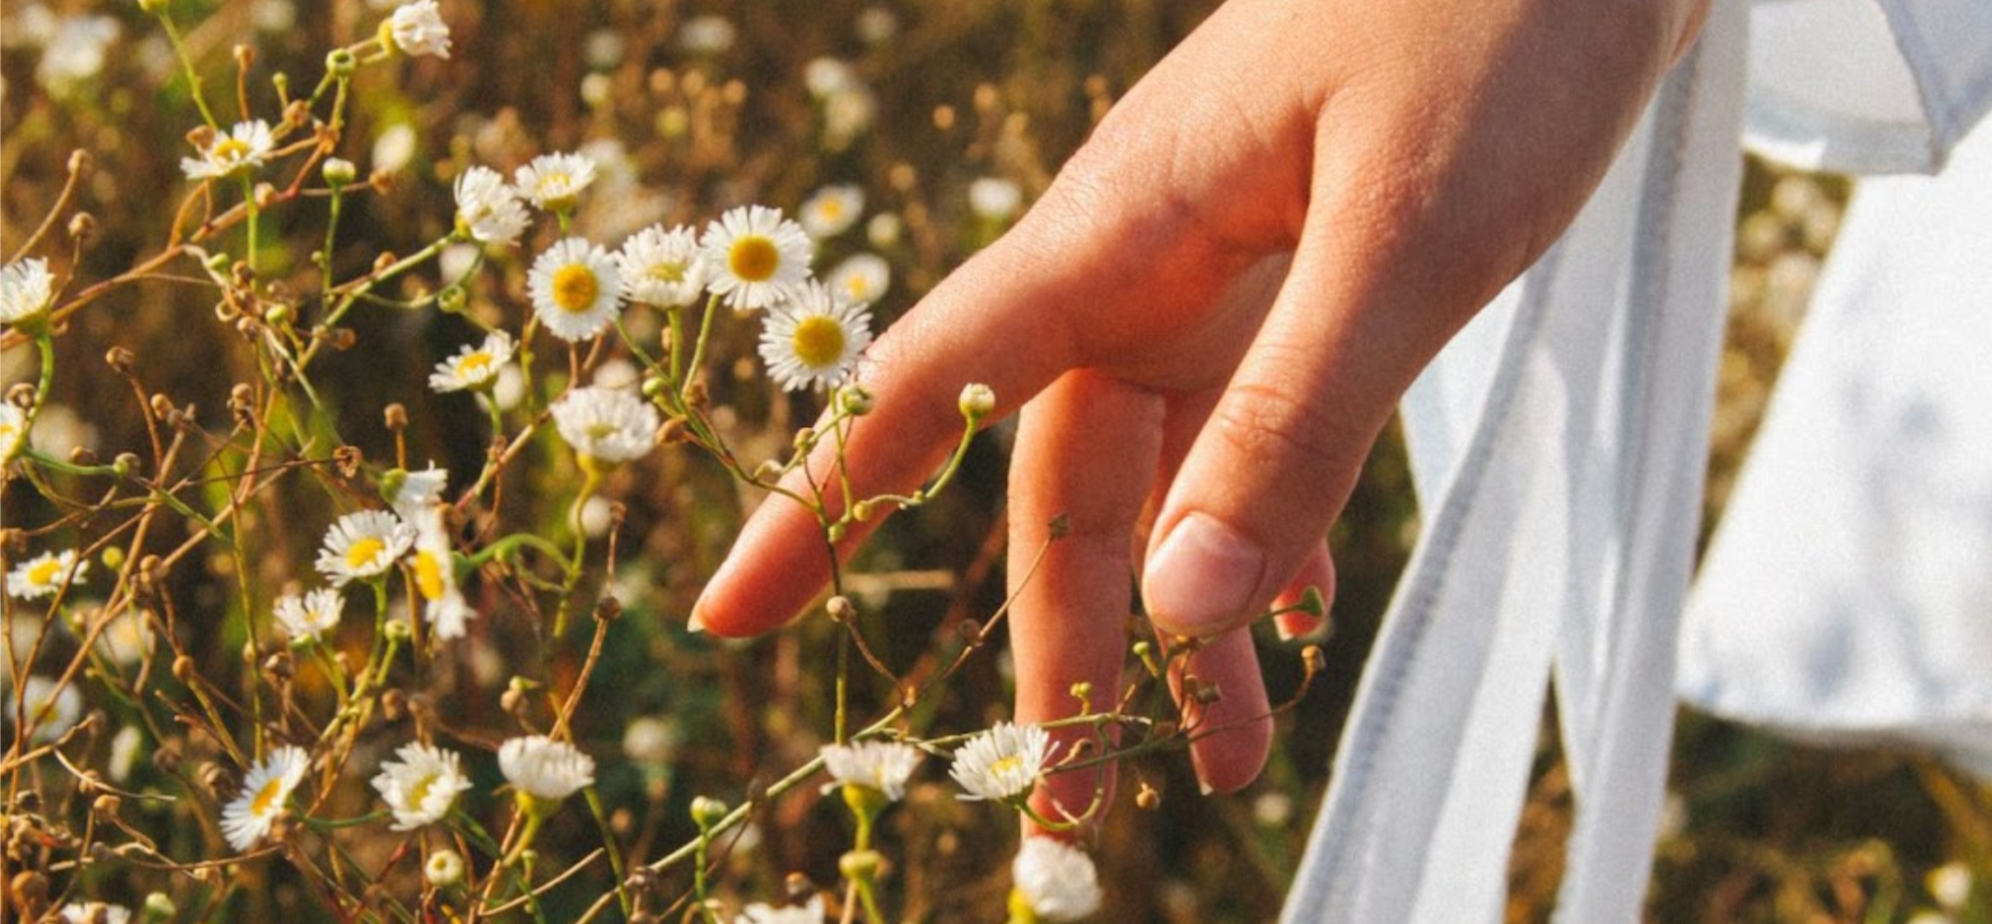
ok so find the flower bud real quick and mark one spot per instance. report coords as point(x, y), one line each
point(443, 869)
point(707, 811)
point(341, 62)
point(855, 399)
point(977, 401)
point(339, 171)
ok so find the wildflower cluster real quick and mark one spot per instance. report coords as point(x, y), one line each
point(276, 638)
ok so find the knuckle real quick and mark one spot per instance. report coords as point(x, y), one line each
point(1277, 426)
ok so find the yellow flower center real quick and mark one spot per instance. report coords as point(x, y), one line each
point(230, 150)
point(362, 552)
point(753, 259)
point(42, 574)
point(831, 209)
point(575, 288)
point(599, 430)
point(1006, 766)
point(667, 272)
point(429, 575)
point(858, 288)
point(420, 790)
point(819, 341)
point(266, 797)
point(474, 365)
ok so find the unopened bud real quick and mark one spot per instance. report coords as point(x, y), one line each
point(82, 227)
point(856, 400)
point(707, 811)
point(341, 62)
point(860, 865)
point(339, 171)
point(120, 359)
point(609, 609)
point(245, 56)
point(452, 299)
point(398, 630)
point(159, 907)
point(81, 163)
point(443, 869)
point(395, 417)
point(1147, 798)
point(183, 669)
point(977, 401)
point(841, 609)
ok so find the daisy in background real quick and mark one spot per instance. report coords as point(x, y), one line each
point(266, 792)
point(880, 766)
point(311, 616)
point(606, 426)
point(44, 574)
point(554, 181)
point(754, 257)
point(13, 431)
point(26, 287)
point(420, 788)
point(662, 268)
point(435, 577)
point(544, 771)
point(413, 494)
point(363, 546)
point(832, 210)
point(475, 367)
point(241, 148)
point(1003, 764)
point(576, 289)
point(488, 208)
point(1052, 882)
point(416, 29)
point(994, 199)
point(52, 710)
point(810, 912)
point(814, 339)
point(95, 913)
point(861, 278)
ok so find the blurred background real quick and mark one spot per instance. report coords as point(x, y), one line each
point(949, 116)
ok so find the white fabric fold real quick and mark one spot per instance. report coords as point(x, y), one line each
point(1541, 522)
point(1847, 597)
point(1867, 86)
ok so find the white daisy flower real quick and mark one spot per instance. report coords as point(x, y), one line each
point(662, 267)
point(416, 492)
point(814, 339)
point(544, 768)
point(13, 431)
point(266, 791)
point(810, 912)
point(555, 181)
point(576, 289)
point(125, 638)
point(26, 286)
point(824, 76)
point(754, 257)
point(240, 148)
point(488, 208)
point(881, 766)
point(44, 574)
point(422, 786)
point(832, 210)
point(1002, 764)
point(363, 545)
point(861, 278)
point(95, 913)
point(606, 425)
point(53, 710)
point(435, 577)
point(1055, 880)
point(417, 29)
point(994, 199)
point(475, 367)
point(706, 35)
point(311, 616)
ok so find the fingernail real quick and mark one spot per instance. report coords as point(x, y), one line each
point(695, 625)
point(1202, 578)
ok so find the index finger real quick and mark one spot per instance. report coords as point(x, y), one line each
point(991, 322)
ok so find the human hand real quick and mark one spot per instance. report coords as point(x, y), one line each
point(1215, 307)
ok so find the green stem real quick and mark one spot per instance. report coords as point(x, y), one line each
point(193, 75)
point(699, 348)
point(609, 843)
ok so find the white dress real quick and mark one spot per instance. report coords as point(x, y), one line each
point(1559, 445)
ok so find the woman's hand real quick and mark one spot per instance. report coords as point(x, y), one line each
point(1215, 307)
